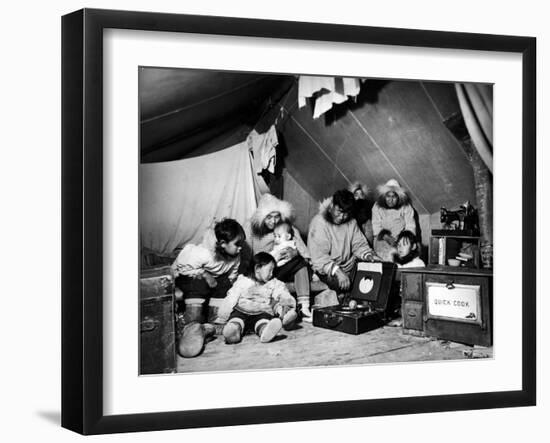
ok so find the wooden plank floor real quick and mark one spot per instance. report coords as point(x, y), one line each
point(309, 346)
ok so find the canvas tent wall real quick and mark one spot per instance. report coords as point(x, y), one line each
point(394, 129)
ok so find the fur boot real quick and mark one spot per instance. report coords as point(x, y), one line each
point(268, 331)
point(192, 340)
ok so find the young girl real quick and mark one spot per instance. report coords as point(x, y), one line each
point(257, 302)
point(391, 214)
point(205, 273)
point(406, 255)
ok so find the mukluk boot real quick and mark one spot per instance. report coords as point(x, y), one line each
point(193, 311)
point(191, 342)
point(267, 330)
point(288, 320)
point(232, 332)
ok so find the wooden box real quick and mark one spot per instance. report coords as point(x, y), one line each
point(450, 303)
point(157, 321)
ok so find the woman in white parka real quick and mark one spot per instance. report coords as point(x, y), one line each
point(391, 214)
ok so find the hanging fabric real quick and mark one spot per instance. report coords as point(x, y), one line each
point(263, 149)
point(178, 200)
point(476, 104)
point(326, 91)
point(263, 157)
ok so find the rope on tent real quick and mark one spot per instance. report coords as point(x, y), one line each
point(374, 142)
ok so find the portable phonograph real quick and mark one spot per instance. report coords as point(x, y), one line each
point(368, 301)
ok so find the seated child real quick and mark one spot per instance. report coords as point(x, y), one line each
point(406, 255)
point(205, 273)
point(288, 268)
point(258, 303)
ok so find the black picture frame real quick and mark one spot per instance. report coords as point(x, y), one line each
point(82, 218)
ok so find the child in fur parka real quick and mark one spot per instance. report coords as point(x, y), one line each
point(391, 214)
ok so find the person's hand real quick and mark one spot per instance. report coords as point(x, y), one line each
point(372, 257)
point(287, 254)
point(343, 280)
point(348, 265)
point(210, 280)
point(390, 240)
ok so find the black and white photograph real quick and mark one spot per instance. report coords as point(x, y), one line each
point(267, 221)
point(298, 221)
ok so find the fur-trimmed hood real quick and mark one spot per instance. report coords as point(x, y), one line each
point(323, 207)
point(392, 185)
point(269, 203)
point(358, 185)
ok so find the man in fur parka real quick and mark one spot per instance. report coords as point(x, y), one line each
point(335, 241)
point(391, 214)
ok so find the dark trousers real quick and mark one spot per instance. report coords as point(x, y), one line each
point(332, 281)
point(249, 320)
point(286, 272)
point(198, 288)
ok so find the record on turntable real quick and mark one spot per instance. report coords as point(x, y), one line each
point(368, 301)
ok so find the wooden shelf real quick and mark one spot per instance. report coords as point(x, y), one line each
point(452, 244)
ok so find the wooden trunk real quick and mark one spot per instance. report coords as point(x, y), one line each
point(157, 321)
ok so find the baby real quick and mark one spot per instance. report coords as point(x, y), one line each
point(283, 236)
point(257, 302)
point(283, 239)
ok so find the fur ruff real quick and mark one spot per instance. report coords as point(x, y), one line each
point(358, 185)
point(269, 203)
point(392, 185)
point(323, 209)
point(408, 258)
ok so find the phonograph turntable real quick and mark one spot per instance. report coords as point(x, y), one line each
point(368, 305)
